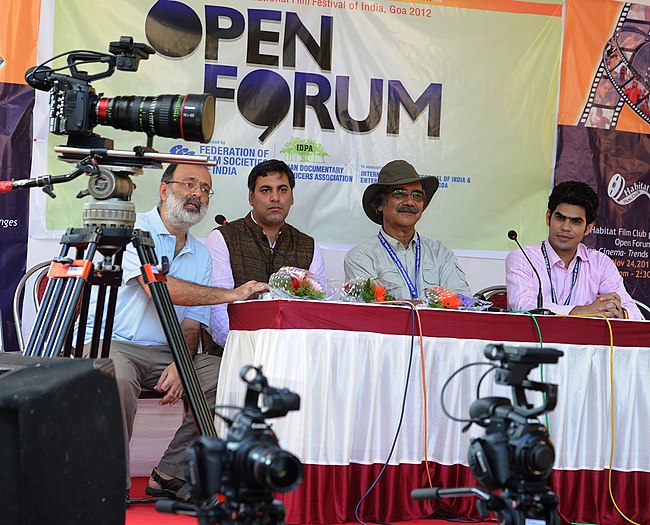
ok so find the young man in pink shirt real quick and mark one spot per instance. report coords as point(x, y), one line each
point(575, 279)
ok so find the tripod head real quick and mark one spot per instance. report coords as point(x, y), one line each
point(109, 184)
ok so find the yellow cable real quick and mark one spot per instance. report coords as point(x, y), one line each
point(612, 409)
point(612, 403)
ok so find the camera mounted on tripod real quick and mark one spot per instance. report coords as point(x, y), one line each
point(75, 107)
point(248, 466)
point(516, 455)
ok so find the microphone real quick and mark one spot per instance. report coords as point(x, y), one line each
point(540, 310)
point(221, 221)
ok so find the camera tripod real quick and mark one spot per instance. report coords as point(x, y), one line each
point(108, 229)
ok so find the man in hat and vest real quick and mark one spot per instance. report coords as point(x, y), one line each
point(260, 243)
point(398, 253)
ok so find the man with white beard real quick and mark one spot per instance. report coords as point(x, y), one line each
point(139, 348)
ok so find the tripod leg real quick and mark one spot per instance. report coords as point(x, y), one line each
point(97, 327)
point(83, 318)
point(64, 320)
point(56, 316)
point(204, 419)
point(45, 312)
point(110, 317)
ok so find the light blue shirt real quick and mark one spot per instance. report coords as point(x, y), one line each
point(136, 318)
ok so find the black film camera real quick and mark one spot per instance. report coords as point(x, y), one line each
point(516, 455)
point(247, 467)
point(75, 108)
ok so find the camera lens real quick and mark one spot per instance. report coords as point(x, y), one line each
point(274, 468)
point(188, 117)
point(534, 455)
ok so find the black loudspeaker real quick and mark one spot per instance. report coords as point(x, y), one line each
point(61, 443)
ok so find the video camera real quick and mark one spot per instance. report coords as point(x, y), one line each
point(75, 108)
point(516, 455)
point(247, 467)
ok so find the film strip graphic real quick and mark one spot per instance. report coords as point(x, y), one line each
point(623, 75)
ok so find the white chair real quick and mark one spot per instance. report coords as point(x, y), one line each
point(645, 309)
point(36, 273)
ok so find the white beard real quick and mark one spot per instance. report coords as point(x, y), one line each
point(180, 217)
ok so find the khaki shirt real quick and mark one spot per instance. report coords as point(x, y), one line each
point(438, 265)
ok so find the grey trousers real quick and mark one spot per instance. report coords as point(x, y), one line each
point(141, 366)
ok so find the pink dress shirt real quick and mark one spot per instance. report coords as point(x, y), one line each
point(597, 275)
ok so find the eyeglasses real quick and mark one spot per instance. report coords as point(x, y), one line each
point(191, 186)
point(416, 195)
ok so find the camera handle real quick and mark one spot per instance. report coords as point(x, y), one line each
point(524, 408)
point(46, 181)
point(503, 506)
point(486, 501)
point(460, 492)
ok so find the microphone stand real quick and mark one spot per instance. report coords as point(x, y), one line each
point(540, 310)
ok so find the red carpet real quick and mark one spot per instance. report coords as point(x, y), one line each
point(146, 514)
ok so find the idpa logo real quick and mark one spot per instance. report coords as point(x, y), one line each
point(263, 96)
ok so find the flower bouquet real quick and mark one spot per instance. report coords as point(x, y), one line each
point(439, 297)
point(293, 282)
point(367, 290)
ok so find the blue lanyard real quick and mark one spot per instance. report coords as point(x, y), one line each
point(574, 277)
point(412, 288)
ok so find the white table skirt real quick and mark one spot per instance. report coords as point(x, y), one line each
point(352, 383)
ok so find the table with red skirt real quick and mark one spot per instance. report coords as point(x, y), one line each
point(362, 376)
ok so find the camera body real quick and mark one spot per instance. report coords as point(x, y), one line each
point(516, 455)
point(71, 103)
point(249, 465)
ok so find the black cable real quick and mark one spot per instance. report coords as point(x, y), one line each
point(478, 387)
point(99, 54)
point(399, 425)
point(444, 387)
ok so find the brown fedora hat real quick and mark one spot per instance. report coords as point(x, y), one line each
point(394, 173)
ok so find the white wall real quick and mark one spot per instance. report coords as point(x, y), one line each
point(480, 272)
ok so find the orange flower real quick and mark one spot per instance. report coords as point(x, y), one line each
point(450, 301)
point(380, 293)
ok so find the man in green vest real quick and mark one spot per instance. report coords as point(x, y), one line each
point(261, 243)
